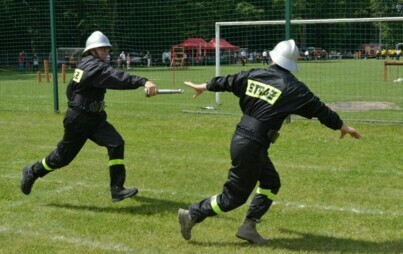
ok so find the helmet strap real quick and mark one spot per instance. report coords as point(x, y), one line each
point(94, 53)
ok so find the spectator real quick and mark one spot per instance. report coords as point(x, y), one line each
point(123, 58)
point(264, 56)
point(323, 55)
point(148, 57)
point(250, 59)
point(383, 53)
point(166, 58)
point(366, 55)
point(243, 57)
point(128, 60)
point(119, 62)
point(21, 62)
point(109, 59)
point(378, 54)
point(35, 63)
point(306, 55)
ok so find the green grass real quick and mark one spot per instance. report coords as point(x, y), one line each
point(337, 196)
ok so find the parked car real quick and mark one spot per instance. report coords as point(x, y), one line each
point(137, 59)
point(68, 56)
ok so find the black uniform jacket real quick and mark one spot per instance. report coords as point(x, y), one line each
point(270, 95)
point(93, 76)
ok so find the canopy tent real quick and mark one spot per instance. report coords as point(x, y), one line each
point(195, 50)
point(224, 44)
point(196, 43)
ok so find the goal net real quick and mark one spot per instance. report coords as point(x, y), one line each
point(354, 65)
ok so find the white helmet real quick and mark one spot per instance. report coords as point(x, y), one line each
point(96, 40)
point(286, 54)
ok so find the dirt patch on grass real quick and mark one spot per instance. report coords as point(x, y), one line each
point(360, 106)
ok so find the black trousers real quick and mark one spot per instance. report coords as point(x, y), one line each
point(250, 165)
point(78, 128)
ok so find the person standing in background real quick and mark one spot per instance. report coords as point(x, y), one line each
point(35, 63)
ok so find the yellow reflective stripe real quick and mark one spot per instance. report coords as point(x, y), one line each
point(215, 206)
point(116, 162)
point(267, 193)
point(46, 165)
point(262, 91)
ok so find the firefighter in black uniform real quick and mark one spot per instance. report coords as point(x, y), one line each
point(86, 119)
point(266, 97)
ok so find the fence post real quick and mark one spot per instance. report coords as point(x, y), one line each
point(46, 68)
point(64, 73)
point(38, 76)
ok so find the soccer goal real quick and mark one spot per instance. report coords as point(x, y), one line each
point(345, 57)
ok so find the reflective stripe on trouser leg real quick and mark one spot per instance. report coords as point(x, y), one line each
point(40, 168)
point(46, 165)
point(260, 204)
point(214, 205)
point(267, 193)
point(115, 162)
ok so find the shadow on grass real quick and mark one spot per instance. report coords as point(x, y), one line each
point(308, 242)
point(142, 205)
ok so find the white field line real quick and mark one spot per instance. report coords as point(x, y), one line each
point(338, 209)
point(294, 205)
point(96, 245)
point(332, 169)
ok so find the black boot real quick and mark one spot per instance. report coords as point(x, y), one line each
point(118, 177)
point(120, 193)
point(248, 232)
point(29, 176)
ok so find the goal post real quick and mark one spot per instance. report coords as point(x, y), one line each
point(219, 25)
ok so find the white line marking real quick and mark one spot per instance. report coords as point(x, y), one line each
point(338, 209)
point(115, 247)
point(286, 165)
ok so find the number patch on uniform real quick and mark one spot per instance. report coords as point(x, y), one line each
point(262, 91)
point(77, 75)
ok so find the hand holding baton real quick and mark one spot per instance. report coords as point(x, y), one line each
point(165, 91)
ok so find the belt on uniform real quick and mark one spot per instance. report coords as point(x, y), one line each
point(83, 104)
point(259, 129)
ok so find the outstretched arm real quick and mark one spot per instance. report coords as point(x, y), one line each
point(199, 88)
point(349, 130)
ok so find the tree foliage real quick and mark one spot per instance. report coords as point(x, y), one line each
point(159, 24)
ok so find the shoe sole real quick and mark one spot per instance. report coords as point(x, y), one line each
point(182, 222)
point(126, 196)
point(264, 241)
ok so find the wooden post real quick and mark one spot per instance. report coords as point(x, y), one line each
point(64, 73)
point(46, 68)
point(38, 77)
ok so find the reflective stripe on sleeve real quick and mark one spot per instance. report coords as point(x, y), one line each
point(267, 193)
point(115, 162)
point(214, 205)
point(46, 165)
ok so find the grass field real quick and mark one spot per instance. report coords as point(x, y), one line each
point(337, 196)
